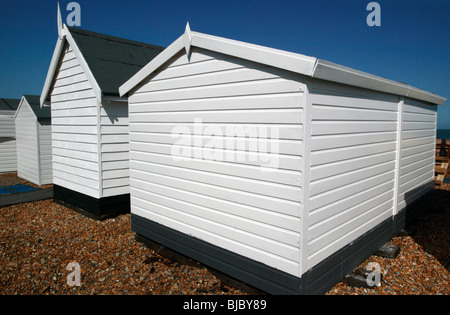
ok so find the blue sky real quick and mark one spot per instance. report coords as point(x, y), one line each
point(412, 45)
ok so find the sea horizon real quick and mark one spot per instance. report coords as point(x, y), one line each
point(443, 134)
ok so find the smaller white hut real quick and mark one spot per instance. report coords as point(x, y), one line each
point(33, 141)
point(8, 161)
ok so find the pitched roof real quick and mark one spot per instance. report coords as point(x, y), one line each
point(34, 102)
point(9, 104)
point(305, 65)
point(112, 60)
point(107, 60)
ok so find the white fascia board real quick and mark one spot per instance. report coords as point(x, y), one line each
point(273, 57)
point(426, 96)
point(153, 65)
point(52, 69)
point(308, 66)
point(84, 65)
point(329, 71)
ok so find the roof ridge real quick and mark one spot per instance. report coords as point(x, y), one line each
point(113, 38)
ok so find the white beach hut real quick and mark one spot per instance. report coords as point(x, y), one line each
point(8, 158)
point(34, 143)
point(282, 170)
point(89, 119)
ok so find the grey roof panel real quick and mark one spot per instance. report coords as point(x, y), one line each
point(112, 60)
point(34, 102)
point(9, 104)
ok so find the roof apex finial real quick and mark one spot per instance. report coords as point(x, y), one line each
point(187, 39)
point(59, 21)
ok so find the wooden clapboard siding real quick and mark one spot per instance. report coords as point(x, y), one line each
point(8, 157)
point(228, 197)
point(352, 168)
point(418, 141)
point(7, 124)
point(27, 144)
point(115, 148)
point(74, 129)
point(45, 151)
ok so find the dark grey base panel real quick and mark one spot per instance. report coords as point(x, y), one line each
point(98, 209)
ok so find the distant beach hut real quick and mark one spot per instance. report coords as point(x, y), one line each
point(90, 142)
point(34, 143)
point(8, 157)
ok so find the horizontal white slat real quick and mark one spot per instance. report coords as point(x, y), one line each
point(75, 186)
point(418, 125)
point(284, 116)
point(74, 87)
point(340, 113)
point(91, 184)
point(77, 112)
point(284, 162)
point(91, 138)
point(419, 117)
point(339, 154)
point(235, 234)
point(79, 121)
point(329, 183)
point(86, 147)
point(67, 80)
point(67, 105)
point(282, 221)
point(222, 180)
point(292, 132)
point(234, 89)
point(88, 165)
point(424, 179)
point(363, 99)
point(323, 171)
point(339, 193)
point(342, 127)
point(265, 145)
point(264, 202)
point(335, 239)
point(73, 96)
point(229, 221)
point(340, 218)
point(289, 100)
point(292, 178)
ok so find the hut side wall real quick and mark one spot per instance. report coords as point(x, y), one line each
point(115, 148)
point(74, 129)
point(8, 157)
point(27, 144)
point(353, 162)
point(418, 143)
point(229, 201)
point(45, 151)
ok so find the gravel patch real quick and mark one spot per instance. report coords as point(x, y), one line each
point(39, 240)
point(423, 265)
